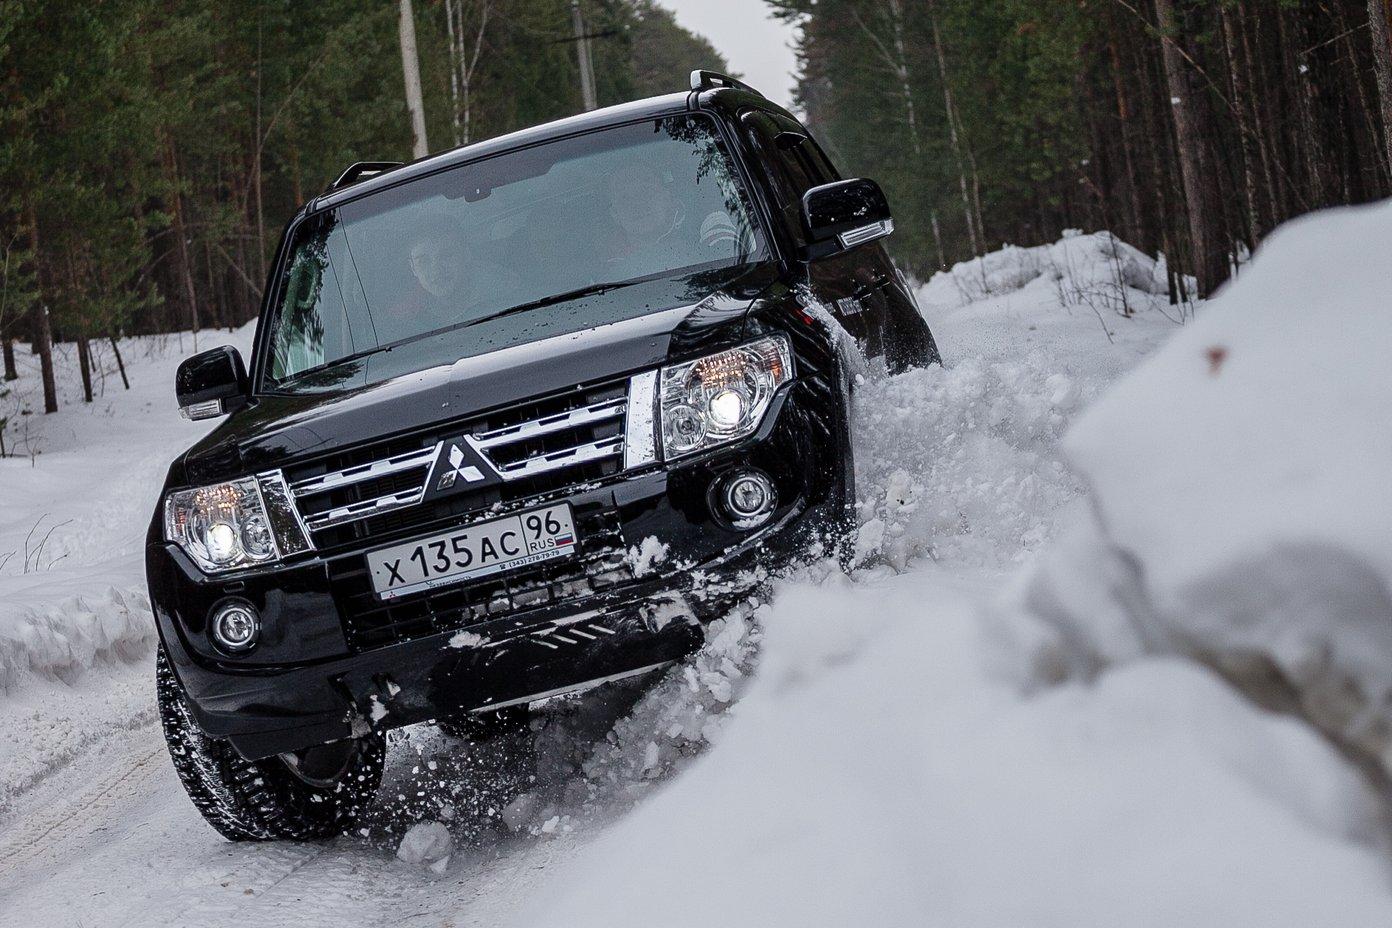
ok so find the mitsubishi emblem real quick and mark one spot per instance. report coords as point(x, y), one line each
point(458, 469)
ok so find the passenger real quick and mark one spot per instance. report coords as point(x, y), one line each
point(654, 229)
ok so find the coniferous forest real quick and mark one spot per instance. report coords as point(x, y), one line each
point(1187, 127)
point(151, 151)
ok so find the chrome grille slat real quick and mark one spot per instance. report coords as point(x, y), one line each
point(596, 412)
point(368, 507)
point(350, 475)
point(500, 447)
point(542, 463)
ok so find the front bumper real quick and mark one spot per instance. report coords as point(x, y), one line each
point(506, 660)
point(313, 679)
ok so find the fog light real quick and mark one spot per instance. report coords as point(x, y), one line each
point(236, 626)
point(748, 498)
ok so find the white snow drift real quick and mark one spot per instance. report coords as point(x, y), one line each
point(887, 766)
point(1242, 490)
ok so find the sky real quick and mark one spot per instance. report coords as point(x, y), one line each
point(758, 47)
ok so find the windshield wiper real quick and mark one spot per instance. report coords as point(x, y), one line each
point(336, 362)
point(590, 290)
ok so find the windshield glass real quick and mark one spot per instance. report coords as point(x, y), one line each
point(507, 236)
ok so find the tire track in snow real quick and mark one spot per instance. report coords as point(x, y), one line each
point(42, 832)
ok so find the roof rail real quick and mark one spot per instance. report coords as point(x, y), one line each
point(705, 80)
point(362, 170)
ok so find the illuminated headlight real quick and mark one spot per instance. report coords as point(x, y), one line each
point(722, 397)
point(222, 527)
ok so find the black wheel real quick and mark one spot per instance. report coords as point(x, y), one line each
point(485, 726)
point(309, 795)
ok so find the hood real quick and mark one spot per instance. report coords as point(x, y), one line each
point(474, 369)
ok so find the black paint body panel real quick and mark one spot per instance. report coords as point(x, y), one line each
point(308, 682)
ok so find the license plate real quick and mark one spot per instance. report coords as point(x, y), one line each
point(473, 551)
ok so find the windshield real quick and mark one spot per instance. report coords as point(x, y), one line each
point(505, 237)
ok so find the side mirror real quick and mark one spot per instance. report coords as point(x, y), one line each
point(213, 383)
point(844, 214)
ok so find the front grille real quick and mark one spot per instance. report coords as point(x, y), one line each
point(535, 447)
point(599, 563)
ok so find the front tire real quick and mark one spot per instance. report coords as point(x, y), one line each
point(309, 796)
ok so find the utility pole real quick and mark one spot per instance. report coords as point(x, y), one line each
point(582, 49)
point(410, 67)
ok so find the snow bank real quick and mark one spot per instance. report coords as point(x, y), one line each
point(877, 772)
point(1242, 506)
point(60, 632)
point(884, 765)
point(1096, 268)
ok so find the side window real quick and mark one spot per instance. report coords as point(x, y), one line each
point(314, 319)
point(808, 155)
point(790, 167)
point(784, 175)
point(819, 165)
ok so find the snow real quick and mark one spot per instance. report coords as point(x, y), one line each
point(646, 555)
point(1007, 713)
point(465, 640)
point(1240, 508)
point(77, 497)
point(877, 772)
point(427, 844)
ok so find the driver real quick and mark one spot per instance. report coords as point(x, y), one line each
point(447, 282)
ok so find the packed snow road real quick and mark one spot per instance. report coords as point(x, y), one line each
point(879, 748)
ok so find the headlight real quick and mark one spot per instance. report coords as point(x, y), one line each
point(222, 527)
point(721, 397)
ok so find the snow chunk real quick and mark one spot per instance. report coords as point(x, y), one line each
point(644, 557)
point(465, 640)
point(427, 844)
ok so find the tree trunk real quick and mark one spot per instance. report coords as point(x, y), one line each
point(952, 130)
point(462, 66)
point(937, 241)
point(171, 166)
point(1209, 256)
point(120, 364)
point(410, 67)
point(256, 167)
point(582, 51)
point(1245, 132)
point(901, 68)
point(1378, 17)
point(11, 371)
point(84, 364)
point(43, 331)
point(1305, 99)
point(1128, 167)
point(1271, 197)
point(43, 347)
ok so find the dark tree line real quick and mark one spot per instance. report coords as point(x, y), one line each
point(151, 150)
point(1189, 128)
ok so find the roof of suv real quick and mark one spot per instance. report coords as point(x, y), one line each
point(666, 104)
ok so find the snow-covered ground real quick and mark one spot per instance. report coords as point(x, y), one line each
point(942, 737)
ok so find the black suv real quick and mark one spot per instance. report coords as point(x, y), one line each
point(519, 417)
